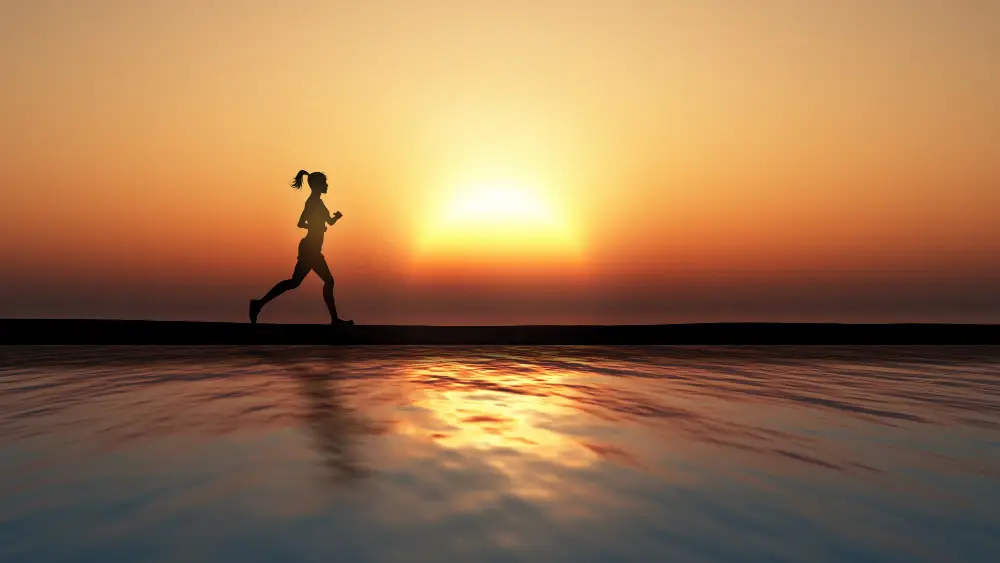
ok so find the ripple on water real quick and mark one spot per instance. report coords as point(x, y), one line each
point(500, 453)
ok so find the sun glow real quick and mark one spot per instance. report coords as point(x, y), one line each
point(495, 220)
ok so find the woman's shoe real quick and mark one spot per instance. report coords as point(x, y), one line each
point(255, 308)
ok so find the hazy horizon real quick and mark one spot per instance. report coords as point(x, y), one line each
point(545, 162)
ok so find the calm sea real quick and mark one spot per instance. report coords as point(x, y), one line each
point(494, 454)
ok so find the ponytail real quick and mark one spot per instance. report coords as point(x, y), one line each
point(297, 184)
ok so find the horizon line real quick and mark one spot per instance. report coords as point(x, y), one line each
point(503, 325)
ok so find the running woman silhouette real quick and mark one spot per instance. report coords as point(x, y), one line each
point(315, 217)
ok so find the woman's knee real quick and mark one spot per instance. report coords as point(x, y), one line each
point(328, 284)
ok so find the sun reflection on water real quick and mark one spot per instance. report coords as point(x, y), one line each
point(509, 429)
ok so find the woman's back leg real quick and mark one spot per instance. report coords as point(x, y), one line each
point(299, 274)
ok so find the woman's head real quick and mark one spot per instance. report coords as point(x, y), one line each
point(317, 181)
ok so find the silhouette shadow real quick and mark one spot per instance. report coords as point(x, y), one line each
point(335, 426)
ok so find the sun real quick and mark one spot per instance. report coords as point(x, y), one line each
point(494, 220)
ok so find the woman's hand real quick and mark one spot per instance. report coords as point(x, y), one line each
point(336, 216)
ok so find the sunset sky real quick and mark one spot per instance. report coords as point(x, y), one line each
point(542, 161)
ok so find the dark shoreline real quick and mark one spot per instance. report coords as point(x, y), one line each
point(83, 331)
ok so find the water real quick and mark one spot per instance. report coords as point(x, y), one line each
point(499, 454)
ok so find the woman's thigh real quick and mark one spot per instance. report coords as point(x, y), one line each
point(322, 270)
point(302, 268)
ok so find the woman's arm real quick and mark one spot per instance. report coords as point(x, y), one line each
point(337, 215)
point(302, 220)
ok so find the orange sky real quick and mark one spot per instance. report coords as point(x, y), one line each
point(651, 161)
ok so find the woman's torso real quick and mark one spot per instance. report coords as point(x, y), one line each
point(315, 215)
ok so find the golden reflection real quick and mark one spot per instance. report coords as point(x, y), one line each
point(499, 413)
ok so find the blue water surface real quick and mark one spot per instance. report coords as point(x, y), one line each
point(497, 454)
